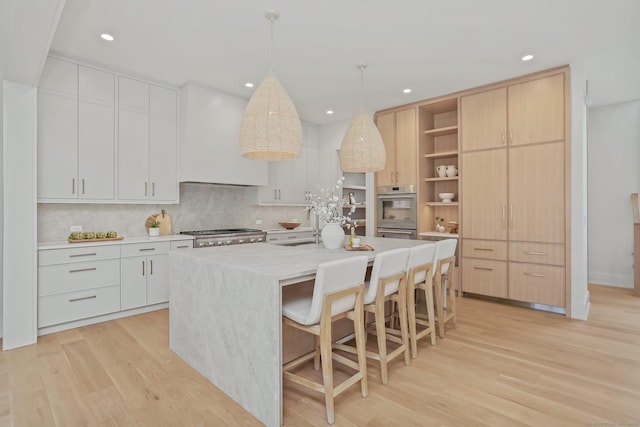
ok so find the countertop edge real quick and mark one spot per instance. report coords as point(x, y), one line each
point(127, 240)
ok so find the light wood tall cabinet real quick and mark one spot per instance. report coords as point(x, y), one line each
point(398, 131)
point(514, 215)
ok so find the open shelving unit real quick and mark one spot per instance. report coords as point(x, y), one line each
point(438, 146)
point(355, 183)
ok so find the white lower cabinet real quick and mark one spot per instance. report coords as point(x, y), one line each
point(144, 278)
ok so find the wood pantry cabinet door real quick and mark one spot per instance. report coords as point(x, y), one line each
point(406, 147)
point(484, 192)
point(536, 111)
point(386, 124)
point(536, 193)
point(483, 119)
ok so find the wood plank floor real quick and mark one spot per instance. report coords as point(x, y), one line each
point(502, 366)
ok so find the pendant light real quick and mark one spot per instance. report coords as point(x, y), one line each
point(271, 128)
point(362, 148)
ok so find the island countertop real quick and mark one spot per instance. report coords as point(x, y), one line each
point(225, 313)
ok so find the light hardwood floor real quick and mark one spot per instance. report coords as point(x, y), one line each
point(502, 366)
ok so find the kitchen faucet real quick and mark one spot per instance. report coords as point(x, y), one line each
point(316, 230)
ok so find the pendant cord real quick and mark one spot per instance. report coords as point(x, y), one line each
point(271, 55)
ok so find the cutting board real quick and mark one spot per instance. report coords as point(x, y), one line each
point(165, 222)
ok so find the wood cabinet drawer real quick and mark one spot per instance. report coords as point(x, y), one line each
point(542, 284)
point(484, 277)
point(61, 308)
point(487, 249)
point(181, 244)
point(143, 249)
point(79, 254)
point(537, 253)
point(56, 279)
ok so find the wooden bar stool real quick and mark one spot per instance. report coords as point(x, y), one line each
point(443, 280)
point(388, 283)
point(338, 292)
point(420, 276)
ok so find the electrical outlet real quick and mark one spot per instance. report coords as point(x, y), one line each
point(258, 222)
point(76, 228)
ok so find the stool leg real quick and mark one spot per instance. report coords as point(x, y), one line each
point(411, 315)
point(382, 338)
point(428, 296)
point(316, 358)
point(327, 369)
point(452, 298)
point(361, 343)
point(437, 287)
point(402, 310)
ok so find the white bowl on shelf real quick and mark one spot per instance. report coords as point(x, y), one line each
point(446, 197)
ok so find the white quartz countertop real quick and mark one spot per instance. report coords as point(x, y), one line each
point(288, 262)
point(63, 244)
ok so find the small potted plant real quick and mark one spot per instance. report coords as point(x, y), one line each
point(154, 229)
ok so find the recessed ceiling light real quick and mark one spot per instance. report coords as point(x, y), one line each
point(527, 57)
point(407, 90)
point(107, 37)
point(248, 84)
point(329, 112)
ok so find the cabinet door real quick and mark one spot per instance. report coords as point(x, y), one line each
point(542, 284)
point(536, 193)
point(96, 142)
point(157, 279)
point(386, 124)
point(133, 282)
point(485, 277)
point(58, 131)
point(163, 173)
point(406, 147)
point(536, 111)
point(484, 120)
point(484, 191)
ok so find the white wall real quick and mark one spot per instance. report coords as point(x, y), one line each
point(614, 156)
point(2, 62)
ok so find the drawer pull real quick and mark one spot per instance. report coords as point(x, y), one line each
point(79, 255)
point(535, 253)
point(83, 269)
point(182, 246)
point(83, 298)
point(151, 262)
point(292, 237)
point(483, 268)
point(147, 249)
point(483, 249)
point(535, 274)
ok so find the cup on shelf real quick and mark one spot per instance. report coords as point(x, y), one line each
point(355, 243)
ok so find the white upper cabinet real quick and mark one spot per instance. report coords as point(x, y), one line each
point(76, 142)
point(210, 146)
point(147, 142)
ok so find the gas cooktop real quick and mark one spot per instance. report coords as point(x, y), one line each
point(221, 231)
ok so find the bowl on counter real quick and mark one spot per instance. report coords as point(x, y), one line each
point(289, 225)
point(446, 197)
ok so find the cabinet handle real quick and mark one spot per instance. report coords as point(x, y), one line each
point(511, 216)
point(151, 266)
point(503, 137)
point(397, 177)
point(153, 189)
point(504, 216)
point(83, 298)
point(79, 255)
point(535, 253)
point(275, 194)
point(182, 246)
point(483, 268)
point(483, 249)
point(146, 249)
point(73, 186)
point(279, 194)
point(511, 136)
point(82, 185)
point(292, 237)
point(145, 189)
point(143, 268)
point(535, 274)
point(83, 269)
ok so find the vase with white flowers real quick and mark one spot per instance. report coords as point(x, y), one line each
point(327, 206)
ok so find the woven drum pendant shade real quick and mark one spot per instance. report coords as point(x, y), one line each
point(362, 148)
point(271, 128)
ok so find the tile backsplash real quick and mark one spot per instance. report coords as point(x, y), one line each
point(202, 206)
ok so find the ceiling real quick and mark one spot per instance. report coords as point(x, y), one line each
point(432, 47)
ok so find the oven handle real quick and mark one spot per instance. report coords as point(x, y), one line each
point(385, 230)
point(396, 196)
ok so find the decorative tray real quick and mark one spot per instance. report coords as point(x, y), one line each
point(358, 248)
point(106, 239)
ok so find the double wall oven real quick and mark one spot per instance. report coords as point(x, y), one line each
point(397, 211)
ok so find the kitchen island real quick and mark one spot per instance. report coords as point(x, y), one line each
point(225, 313)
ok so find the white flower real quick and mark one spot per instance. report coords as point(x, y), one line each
point(328, 205)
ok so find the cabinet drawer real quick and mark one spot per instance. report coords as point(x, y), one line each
point(181, 244)
point(56, 279)
point(484, 277)
point(542, 284)
point(281, 237)
point(60, 308)
point(538, 253)
point(142, 249)
point(80, 254)
point(487, 249)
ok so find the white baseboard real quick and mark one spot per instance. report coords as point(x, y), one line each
point(610, 279)
point(580, 309)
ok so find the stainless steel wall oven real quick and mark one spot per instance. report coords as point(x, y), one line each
point(397, 211)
